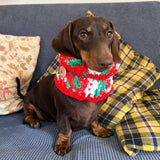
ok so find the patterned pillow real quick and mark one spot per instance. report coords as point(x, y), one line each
point(18, 58)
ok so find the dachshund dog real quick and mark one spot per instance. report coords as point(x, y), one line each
point(94, 41)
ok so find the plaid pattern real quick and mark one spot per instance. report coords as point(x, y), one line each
point(131, 110)
point(140, 127)
point(52, 69)
point(136, 74)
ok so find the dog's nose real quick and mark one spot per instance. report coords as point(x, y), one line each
point(105, 62)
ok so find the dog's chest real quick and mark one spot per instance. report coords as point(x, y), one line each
point(82, 116)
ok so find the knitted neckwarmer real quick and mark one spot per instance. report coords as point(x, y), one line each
point(74, 79)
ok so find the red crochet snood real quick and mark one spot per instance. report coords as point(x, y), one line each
point(76, 80)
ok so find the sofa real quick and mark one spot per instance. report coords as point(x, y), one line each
point(137, 23)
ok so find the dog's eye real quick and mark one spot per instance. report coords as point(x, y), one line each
point(83, 35)
point(109, 34)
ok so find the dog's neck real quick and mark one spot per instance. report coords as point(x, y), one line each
point(76, 80)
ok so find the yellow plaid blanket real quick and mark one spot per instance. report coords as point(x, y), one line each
point(131, 109)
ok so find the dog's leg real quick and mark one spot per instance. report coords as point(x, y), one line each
point(29, 111)
point(62, 145)
point(99, 130)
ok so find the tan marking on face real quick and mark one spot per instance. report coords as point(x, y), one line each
point(89, 29)
point(105, 27)
point(84, 56)
point(89, 59)
point(76, 46)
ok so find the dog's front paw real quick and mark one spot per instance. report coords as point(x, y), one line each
point(62, 149)
point(62, 145)
point(100, 131)
point(33, 123)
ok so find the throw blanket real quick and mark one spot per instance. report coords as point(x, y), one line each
point(131, 110)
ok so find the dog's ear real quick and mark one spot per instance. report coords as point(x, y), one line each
point(115, 47)
point(62, 42)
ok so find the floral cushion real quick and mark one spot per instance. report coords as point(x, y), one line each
point(18, 58)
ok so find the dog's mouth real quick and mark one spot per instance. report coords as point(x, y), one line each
point(98, 64)
point(105, 67)
point(102, 69)
point(99, 68)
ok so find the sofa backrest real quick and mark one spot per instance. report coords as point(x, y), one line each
point(137, 23)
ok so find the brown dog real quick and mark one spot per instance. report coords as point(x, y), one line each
point(93, 40)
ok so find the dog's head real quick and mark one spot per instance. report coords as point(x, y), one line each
point(92, 39)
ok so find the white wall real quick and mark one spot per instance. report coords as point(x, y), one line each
point(12, 2)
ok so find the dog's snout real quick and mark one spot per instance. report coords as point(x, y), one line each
point(105, 62)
